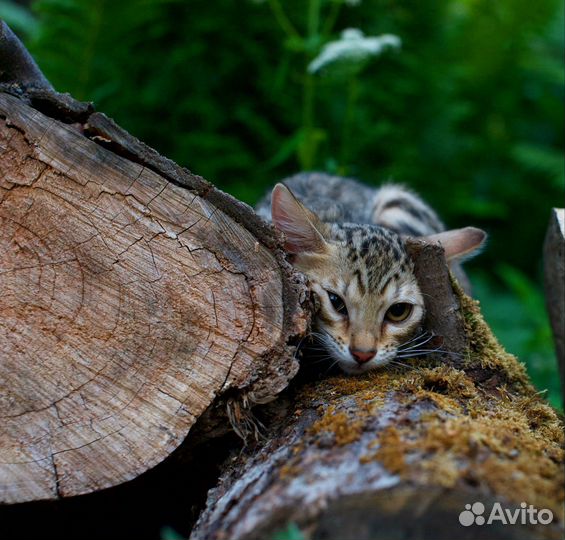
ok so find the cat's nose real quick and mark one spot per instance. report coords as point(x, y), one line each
point(362, 356)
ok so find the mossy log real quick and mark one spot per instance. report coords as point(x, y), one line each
point(399, 453)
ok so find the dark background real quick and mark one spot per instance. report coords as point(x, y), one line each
point(468, 112)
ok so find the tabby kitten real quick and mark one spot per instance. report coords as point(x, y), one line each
point(349, 240)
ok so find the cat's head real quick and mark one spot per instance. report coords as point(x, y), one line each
point(367, 298)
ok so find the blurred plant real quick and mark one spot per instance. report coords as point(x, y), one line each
point(346, 57)
point(515, 308)
point(18, 18)
point(341, 60)
point(290, 532)
point(94, 67)
point(168, 533)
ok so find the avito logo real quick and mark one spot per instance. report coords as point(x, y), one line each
point(525, 515)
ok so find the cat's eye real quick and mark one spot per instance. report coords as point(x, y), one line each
point(337, 303)
point(399, 312)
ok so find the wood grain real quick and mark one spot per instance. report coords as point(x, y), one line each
point(128, 304)
point(443, 310)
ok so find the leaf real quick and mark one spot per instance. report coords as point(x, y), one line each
point(291, 532)
point(18, 18)
point(168, 533)
point(286, 151)
point(543, 159)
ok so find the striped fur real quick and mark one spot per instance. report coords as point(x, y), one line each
point(349, 240)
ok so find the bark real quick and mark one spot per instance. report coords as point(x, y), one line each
point(554, 270)
point(443, 314)
point(16, 64)
point(398, 454)
point(134, 294)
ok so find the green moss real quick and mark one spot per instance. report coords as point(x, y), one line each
point(345, 430)
point(484, 349)
point(449, 427)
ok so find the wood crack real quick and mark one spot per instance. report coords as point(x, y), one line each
point(100, 282)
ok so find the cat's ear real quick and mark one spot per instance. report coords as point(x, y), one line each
point(459, 243)
point(301, 227)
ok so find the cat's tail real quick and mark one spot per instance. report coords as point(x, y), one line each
point(397, 208)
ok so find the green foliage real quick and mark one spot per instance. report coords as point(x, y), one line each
point(515, 307)
point(290, 532)
point(18, 18)
point(168, 533)
point(468, 112)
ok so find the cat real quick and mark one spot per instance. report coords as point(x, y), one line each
point(349, 241)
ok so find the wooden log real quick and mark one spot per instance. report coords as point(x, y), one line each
point(443, 313)
point(16, 64)
point(554, 274)
point(400, 454)
point(134, 295)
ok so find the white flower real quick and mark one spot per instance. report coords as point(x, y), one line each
point(351, 52)
point(352, 2)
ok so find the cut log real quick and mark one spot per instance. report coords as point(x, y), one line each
point(16, 64)
point(554, 270)
point(401, 454)
point(133, 295)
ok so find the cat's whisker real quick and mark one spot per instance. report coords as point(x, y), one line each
point(304, 338)
point(331, 365)
point(411, 355)
point(421, 351)
point(426, 335)
point(317, 347)
point(318, 351)
point(423, 335)
point(312, 361)
point(452, 353)
point(419, 344)
point(424, 352)
point(319, 361)
point(311, 342)
point(443, 351)
point(401, 364)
